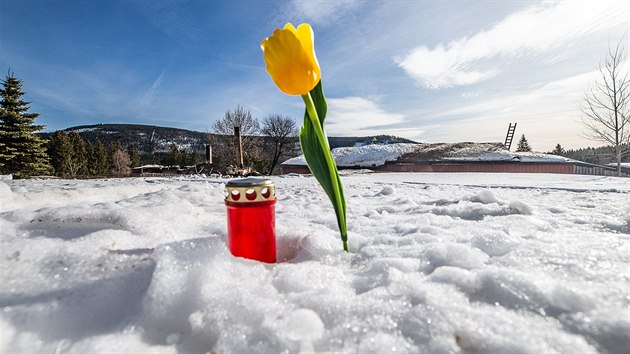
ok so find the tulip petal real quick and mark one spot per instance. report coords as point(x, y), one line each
point(305, 35)
point(290, 59)
point(289, 26)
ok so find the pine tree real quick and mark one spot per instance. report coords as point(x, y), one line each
point(69, 154)
point(23, 152)
point(523, 145)
point(173, 157)
point(79, 155)
point(134, 155)
point(60, 151)
point(559, 150)
point(4, 152)
point(194, 158)
point(101, 160)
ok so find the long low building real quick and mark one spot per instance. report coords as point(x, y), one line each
point(457, 157)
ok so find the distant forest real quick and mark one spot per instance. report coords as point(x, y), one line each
point(155, 142)
point(599, 155)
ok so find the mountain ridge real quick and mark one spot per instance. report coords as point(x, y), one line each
point(153, 138)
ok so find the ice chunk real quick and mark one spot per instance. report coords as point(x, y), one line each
point(518, 207)
point(304, 326)
point(387, 190)
point(6, 196)
point(456, 255)
point(7, 332)
point(485, 197)
point(495, 243)
point(521, 227)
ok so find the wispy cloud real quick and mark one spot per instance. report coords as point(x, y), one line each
point(355, 116)
point(321, 11)
point(149, 96)
point(536, 29)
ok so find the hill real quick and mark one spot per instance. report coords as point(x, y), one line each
point(152, 139)
point(148, 138)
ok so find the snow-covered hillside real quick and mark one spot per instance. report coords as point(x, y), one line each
point(439, 263)
point(365, 155)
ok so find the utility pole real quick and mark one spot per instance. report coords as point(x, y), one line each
point(208, 154)
point(239, 146)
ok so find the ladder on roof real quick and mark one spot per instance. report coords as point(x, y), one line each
point(510, 136)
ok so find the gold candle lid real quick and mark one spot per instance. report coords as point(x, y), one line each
point(249, 190)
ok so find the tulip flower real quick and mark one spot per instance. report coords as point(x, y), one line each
point(290, 59)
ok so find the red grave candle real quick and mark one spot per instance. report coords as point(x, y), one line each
point(251, 220)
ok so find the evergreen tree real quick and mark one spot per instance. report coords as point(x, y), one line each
point(69, 154)
point(5, 152)
point(173, 157)
point(194, 158)
point(523, 145)
point(134, 155)
point(79, 155)
point(23, 153)
point(90, 159)
point(100, 163)
point(559, 150)
point(60, 150)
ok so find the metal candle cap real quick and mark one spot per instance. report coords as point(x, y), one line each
point(250, 190)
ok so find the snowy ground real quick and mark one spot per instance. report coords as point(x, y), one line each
point(525, 263)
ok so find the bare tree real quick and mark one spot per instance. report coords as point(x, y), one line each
point(281, 132)
point(121, 163)
point(225, 149)
point(606, 106)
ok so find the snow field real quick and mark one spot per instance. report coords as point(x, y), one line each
point(438, 263)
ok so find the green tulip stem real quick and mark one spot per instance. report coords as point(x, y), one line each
point(312, 113)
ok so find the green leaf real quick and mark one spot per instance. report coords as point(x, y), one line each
point(321, 162)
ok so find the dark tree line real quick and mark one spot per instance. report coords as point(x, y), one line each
point(181, 157)
point(71, 156)
point(596, 155)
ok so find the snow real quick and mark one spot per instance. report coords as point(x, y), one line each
point(623, 164)
point(378, 154)
point(364, 156)
point(85, 130)
point(439, 263)
point(504, 155)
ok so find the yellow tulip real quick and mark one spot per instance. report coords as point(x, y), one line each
point(290, 57)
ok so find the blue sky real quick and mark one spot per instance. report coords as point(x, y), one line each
point(433, 71)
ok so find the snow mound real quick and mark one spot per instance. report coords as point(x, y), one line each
point(364, 156)
point(504, 155)
point(468, 151)
point(378, 155)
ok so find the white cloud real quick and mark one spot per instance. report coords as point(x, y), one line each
point(358, 116)
point(321, 11)
point(536, 29)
